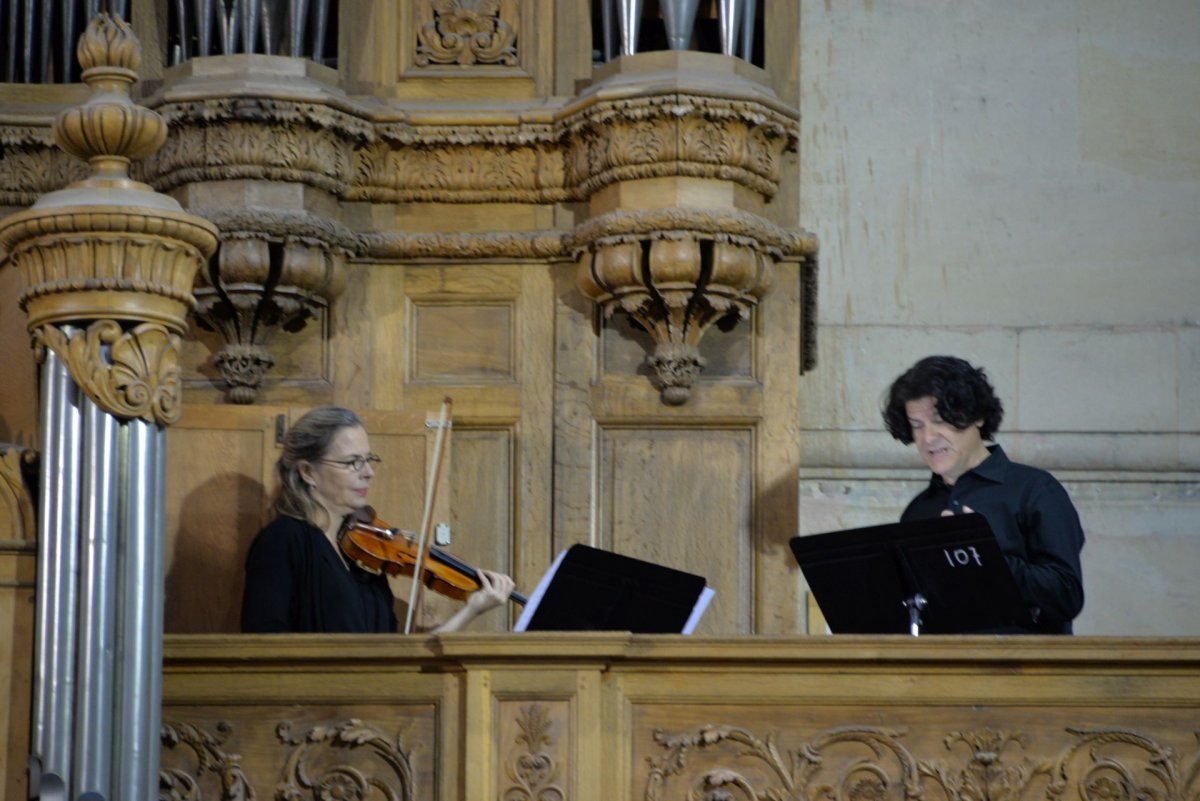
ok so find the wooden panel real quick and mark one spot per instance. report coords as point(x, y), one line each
point(482, 517)
point(595, 716)
point(18, 571)
point(318, 750)
point(218, 485)
point(683, 498)
point(462, 342)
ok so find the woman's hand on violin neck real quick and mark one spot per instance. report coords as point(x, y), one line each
point(494, 589)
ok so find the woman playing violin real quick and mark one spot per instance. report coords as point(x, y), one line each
point(297, 578)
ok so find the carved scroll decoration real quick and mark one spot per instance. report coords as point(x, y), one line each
point(1101, 765)
point(132, 373)
point(178, 784)
point(533, 772)
point(311, 770)
point(466, 32)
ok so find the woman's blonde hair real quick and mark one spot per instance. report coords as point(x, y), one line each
point(308, 440)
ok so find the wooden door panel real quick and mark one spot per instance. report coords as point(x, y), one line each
point(220, 464)
point(683, 498)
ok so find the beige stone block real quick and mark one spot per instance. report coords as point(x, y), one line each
point(656, 193)
point(1089, 380)
point(1189, 380)
point(857, 364)
point(1147, 530)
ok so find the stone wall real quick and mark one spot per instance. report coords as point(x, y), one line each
point(1017, 184)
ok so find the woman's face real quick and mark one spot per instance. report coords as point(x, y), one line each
point(336, 486)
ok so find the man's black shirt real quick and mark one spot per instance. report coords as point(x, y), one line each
point(1035, 523)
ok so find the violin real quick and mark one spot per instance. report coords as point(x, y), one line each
point(379, 548)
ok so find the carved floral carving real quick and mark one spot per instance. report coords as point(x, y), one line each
point(466, 32)
point(871, 764)
point(533, 771)
point(179, 784)
point(341, 762)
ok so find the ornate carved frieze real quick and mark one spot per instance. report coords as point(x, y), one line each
point(257, 138)
point(720, 763)
point(482, 171)
point(466, 32)
point(677, 134)
point(677, 271)
point(275, 270)
point(31, 165)
point(538, 245)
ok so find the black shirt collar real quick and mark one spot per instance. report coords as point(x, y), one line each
point(991, 469)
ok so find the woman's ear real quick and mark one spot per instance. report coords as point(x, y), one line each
point(306, 474)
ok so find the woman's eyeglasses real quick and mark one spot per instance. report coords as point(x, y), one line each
point(355, 464)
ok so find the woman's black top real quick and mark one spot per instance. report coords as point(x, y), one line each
point(297, 582)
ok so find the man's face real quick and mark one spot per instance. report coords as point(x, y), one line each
point(948, 451)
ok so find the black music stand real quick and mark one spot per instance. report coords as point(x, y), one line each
point(945, 575)
point(589, 589)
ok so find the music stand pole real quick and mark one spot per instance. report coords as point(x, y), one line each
point(914, 605)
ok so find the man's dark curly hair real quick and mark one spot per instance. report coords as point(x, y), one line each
point(962, 393)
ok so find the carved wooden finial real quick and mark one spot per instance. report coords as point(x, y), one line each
point(109, 130)
point(109, 42)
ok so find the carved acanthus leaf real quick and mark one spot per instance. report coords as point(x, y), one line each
point(180, 784)
point(29, 170)
point(15, 498)
point(129, 374)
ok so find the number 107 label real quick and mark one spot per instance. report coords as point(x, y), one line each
point(962, 557)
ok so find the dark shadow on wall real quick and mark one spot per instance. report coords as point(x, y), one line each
point(205, 574)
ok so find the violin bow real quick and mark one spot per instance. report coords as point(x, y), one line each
point(431, 489)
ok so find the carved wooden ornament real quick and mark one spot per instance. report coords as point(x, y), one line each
point(108, 263)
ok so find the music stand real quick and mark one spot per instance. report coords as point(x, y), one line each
point(589, 589)
point(945, 575)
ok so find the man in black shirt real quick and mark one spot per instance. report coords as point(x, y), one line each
point(948, 409)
